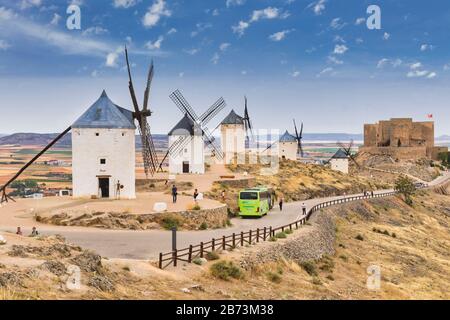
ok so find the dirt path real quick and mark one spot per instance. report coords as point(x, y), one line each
point(147, 244)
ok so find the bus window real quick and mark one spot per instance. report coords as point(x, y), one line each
point(249, 196)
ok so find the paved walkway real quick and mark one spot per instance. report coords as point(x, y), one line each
point(147, 244)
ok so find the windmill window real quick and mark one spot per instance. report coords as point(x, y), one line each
point(102, 161)
point(97, 134)
point(185, 150)
point(123, 134)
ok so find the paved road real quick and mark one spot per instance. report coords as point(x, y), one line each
point(147, 244)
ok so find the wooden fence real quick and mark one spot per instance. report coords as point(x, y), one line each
point(250, 237)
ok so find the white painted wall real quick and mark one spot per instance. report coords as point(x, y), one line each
point(339, 165)
point(193, 152)
point(117, 146)
point(288, 150)
point(233, 142)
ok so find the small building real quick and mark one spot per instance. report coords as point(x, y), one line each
point(340, 162)
point(190, 158)
point(288, 146)
point(233, 137)
point(103, 152)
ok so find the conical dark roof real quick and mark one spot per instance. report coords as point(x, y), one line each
point(287, 137)
point(184, 127)
point(340, 154)
point(104, 114)
point(233, 118)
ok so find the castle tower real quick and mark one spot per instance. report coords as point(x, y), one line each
point(191, 157)
point(233, 136)
point(103, 148)
point(288, 148)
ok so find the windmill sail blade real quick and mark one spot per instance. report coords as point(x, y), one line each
point(218, 106)
point(147, 89)
point(183, 105)
point(171, 150)
point(51, 144)
point(130, 84)
point(179, 144)
point(247, 122)
point(209, 140)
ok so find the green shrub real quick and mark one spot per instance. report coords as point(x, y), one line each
point(196, 207)
point(273, 239)
point(229, 224)
point(385, 232)
point(213, 255)
point(126, 268)
point(309, 267)
point(203, 226)
point(330, 277)
point(359, 237)
point(197, 261)
point(394, 235)
point(343, 257)
point(225, 270)
point(281, 235)
point(274, 277)
point(317, 282)
point(289, 231)
point(170, 222)
point(327, 264)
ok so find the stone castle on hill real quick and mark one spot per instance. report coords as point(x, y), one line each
point(401, 138)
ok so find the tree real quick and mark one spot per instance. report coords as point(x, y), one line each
point(444, 157)
point(405, 186)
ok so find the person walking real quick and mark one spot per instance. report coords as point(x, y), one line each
point(281, 203)
point(19, 231)
point(304, 209)
point(34, 232)
point(174, 193)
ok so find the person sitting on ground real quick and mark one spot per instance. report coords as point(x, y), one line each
point(19, 231)
point(195, 195)
point(34, 232)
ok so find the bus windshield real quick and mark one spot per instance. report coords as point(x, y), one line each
point(249, 196)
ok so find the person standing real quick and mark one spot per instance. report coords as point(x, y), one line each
point(19, 231)
point(34, 232)
point(223, 196)
point(281, 203)
point(304, 208)
point(174, 193)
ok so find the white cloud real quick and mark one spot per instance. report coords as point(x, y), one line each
point(215, 12)
point(155, 45)
point(94, 74)
point(25, 4)
point(386, 36)
point(325, 71)
point(295, 74)
point(339, 39)
point(154, 13)
point(359, 40)
point(55, 20)
point(200, 27)
point(385, 62)
point(426, 47)
point(240, 28)
point(192, 51)
point(244, 72)
point(215, 59)
point(94, 30)
point(446, 66)
point(231, 3)
point(432, 75)
point(417, 71)
point(318, 7)
point(340, 49)
point(415, 65)
point(124, 3)
point(4, 45)
point(6, 14)
point(337, 23)
point(112, 57)
point(224, 46)
point(333, 59)
point(181, 75)
point(360, 21)
point(172, 31)
point(278, 36)
point(268, 13)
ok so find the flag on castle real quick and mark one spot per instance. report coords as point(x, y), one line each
point(430, 116)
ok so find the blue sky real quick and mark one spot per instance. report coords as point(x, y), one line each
point(314, 60)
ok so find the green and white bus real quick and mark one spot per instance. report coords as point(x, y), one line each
point(256, 202)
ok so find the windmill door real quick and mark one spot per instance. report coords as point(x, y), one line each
point(185, 166)
point(103, 184)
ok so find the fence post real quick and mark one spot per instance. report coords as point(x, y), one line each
point(270, 232)
point(190, 254)
point(175, 257)
point(201, 249)
point(265, 233)
point(242, 238)
point(290, 226)
point(213, 245)
point(224, 246)
point(160, 260)
point(234, 240)
point(296, 224)
point(250, 237)
point(257, 235)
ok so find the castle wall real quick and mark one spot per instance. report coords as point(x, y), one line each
point(370, 135)
point(397, 153)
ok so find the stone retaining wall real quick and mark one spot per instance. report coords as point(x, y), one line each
point(191, 220)
point(311, 242)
